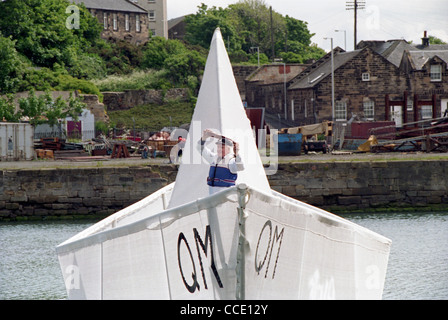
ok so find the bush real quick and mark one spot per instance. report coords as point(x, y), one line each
point(181, 66)
point(101, 128)
point(68, 83)
point(158, 50)
point(120, 57)
point(88, 66)
point(39, 79)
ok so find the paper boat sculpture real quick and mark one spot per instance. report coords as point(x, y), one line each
point(245, 241)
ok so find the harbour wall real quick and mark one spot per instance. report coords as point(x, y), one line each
point(334, 186)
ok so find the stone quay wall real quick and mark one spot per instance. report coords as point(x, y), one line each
point(77, 192)
point(366, 185)
point(334, 186)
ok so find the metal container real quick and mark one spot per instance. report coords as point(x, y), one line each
point(361, 130)
point(16, 141)
point(289, 144)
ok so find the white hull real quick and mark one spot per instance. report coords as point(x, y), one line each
point(290, 251)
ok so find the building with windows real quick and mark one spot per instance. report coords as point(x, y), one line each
point(361, 80)
point(121, 19)
point(157, 16)
point(379, 81)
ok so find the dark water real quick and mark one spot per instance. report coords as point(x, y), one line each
point(418, 264)
point(29, 268)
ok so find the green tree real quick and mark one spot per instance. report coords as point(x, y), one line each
point(39, 28)
point(201, 26)
point(44, 109)
point(435, 40)
point(11, 69)
point(8, 109)
point(297, 30)
point(253, 23)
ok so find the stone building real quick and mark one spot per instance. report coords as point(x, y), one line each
point(361, 80)
point(177, 28)
point(376, 82)
point(121, 19)
point(265, 87)
point(157, 16)
point(425, 68)
point(427, 72)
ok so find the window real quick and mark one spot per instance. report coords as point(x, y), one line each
point(137, 22)
point(444, 108)
point(105, 20)
point(153, 32)
point(126, 22)
point(426, 112)
point(369, 109)
point(365, 76)
point(152, 15)
point(436, 72)
point(115, 21)
point(340, 111)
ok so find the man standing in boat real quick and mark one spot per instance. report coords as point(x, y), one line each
point(224, 164)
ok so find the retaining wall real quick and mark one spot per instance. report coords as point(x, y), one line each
point(336, 186)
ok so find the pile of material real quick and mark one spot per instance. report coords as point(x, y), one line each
point(69, 154)
point(57, 148)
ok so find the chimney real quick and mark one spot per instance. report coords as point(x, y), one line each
point(425, 39)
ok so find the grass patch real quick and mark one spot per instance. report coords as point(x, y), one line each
point(137, 80)
point(153, 117)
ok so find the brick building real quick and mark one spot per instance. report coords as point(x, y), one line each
point(365, 80)
point(361, 80)
point(265, 87)
point(425, 68)
point(427, 72)
point(121, 19)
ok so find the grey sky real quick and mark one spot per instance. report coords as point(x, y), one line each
point(381, 20)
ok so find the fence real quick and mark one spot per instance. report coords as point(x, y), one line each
point(83, 135)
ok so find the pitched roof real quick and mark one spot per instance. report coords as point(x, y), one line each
point(317, 72)
point(273, 73)
point(392, 50)
point(419, 58)
point(112, 5)
point(175, 21)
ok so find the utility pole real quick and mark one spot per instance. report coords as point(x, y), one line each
point(355, 5)
point(332, 79)
point(272, 35)
point(332, 88)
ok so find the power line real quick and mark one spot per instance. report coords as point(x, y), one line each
point(355, 5)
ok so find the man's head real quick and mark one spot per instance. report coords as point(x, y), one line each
point(225, 146)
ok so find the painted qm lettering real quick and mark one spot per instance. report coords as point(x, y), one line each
point(201, 248)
